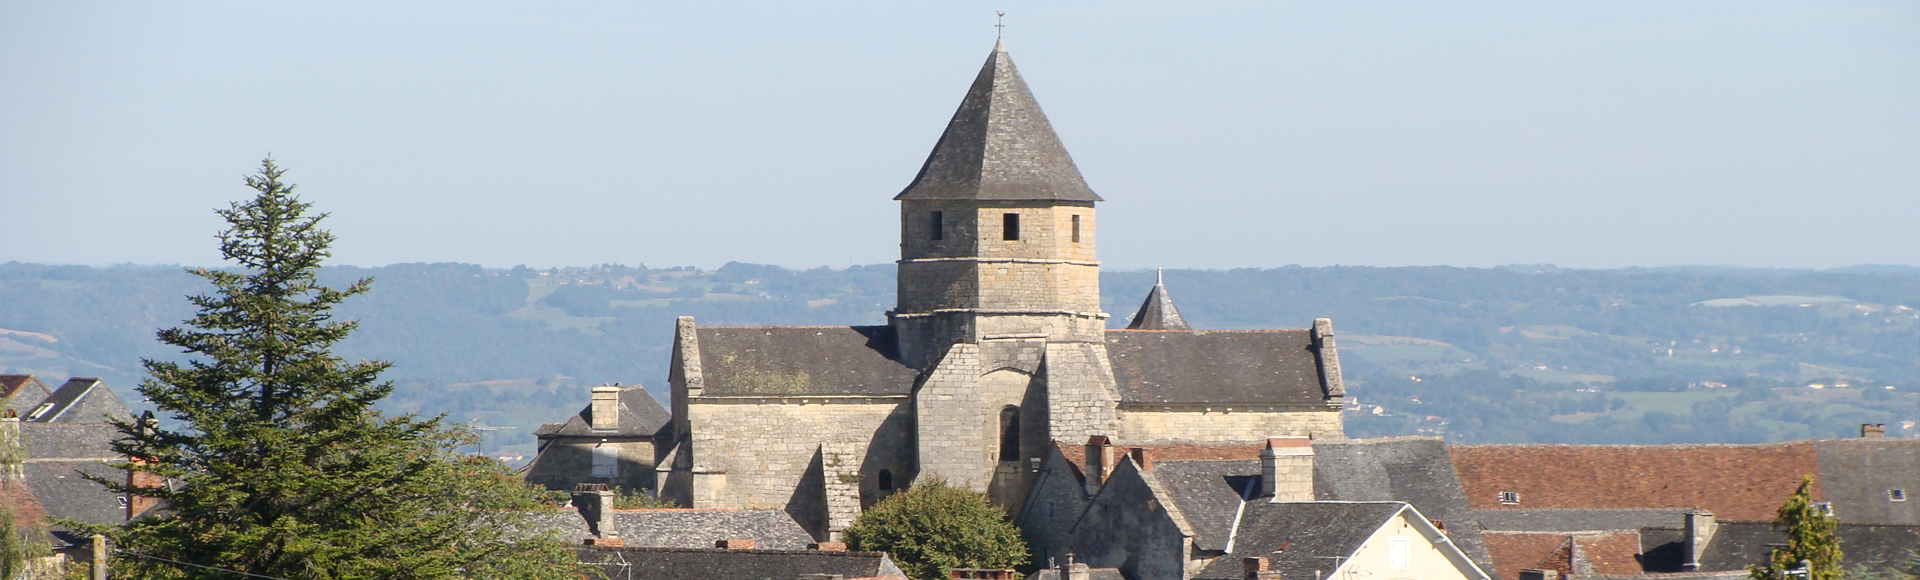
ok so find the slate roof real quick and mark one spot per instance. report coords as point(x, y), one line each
point(1735, 482)
point(1312, 532)
point(63, 493)
point(81, 400)
point(683, 528)
point(1208, 494)
point(999, 146)
point(1856, 475)
point(23, 392)
point(802, 360)
point(89, 441)
point(1735, 545)
point(1092, 574)
point(712, 564)
point(1158, 311)
point(640, 416)
point(1416, 470)
point(1170, 366)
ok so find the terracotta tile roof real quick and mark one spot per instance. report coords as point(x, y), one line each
point(1516, 551)
point(1610, 553)
point(1735, 482)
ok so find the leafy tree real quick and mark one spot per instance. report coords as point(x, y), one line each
point(282, 467)
point(934, 527)
point(1809, 537)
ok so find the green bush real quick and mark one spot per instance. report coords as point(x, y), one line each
point(934, 527)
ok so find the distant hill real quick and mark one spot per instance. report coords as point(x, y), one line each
point(1511, 354)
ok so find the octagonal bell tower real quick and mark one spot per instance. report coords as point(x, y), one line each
point(997, 230)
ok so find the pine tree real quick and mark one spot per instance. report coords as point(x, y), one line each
point(282, 467)
point(934, 527)
point(1809, 537)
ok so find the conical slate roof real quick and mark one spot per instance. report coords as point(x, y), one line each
point(999, 146)
point(1158, 312)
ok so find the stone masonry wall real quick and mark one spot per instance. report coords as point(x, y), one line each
point(1081, 395)
point(764, 449)
point(948, 419)
point(1141, 424)
point(568, 461)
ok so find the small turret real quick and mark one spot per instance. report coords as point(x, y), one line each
point(1158, 312)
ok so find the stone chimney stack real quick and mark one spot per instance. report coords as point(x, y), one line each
point(1100, 461)
point(606, 408)
point(1286, 469)
point(1873, 430)
point(595, 502)
point(1700, 528)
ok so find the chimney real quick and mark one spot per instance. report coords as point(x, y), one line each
point(1873, 430)
point(1700, 528)
point(735, 544)
point(828, 546)
point(1286, 469)
point(1536, 574)
point(1140, 458)
point(595, 502)
point(1254, 566)
point(1100, 460)
point(606, 408)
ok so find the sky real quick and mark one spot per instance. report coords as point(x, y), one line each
point(1222, 134)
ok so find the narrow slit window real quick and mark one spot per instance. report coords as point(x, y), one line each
point(1010, 434)
point(938, 226)
point(1010, 227)
point(1076, 229)
point(886, 476)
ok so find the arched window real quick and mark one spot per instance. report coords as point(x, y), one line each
point(885, 479)
point(1010, 433)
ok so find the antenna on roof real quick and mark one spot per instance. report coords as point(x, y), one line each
point(999, 24)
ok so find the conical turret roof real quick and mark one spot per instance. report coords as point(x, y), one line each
point(999, 146)
point(1158, 312)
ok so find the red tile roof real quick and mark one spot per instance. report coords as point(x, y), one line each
point(1735, 482)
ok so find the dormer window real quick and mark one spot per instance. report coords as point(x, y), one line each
point(1509, 498)
point(1010, 227)
point(938, 226)
point(35, 415)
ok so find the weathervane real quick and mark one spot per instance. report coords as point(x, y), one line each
point(999, 24)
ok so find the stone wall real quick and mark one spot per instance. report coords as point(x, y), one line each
point(1081, 396)
point(1128, 526)
point(1055, 504)
point(948, 420)
point(757, 453)
point(1219, 424)
point(569, 460)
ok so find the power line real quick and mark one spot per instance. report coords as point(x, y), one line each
point(117, 550)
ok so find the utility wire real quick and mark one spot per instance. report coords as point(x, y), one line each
point(117, 550)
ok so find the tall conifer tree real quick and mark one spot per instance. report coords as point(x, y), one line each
point(1809, 538)
point(281, 466)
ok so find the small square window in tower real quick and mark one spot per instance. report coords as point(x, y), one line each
point(1010, 227)
point(1076, 229)
point(938, 226)
point(606, 461)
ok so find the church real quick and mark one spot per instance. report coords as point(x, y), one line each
point(996, 350)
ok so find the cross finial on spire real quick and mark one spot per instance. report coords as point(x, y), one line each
point(999, 24)
point(1159, 277)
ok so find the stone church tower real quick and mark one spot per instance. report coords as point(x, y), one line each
point(997, 349)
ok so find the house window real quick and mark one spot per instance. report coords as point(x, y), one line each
point(606, 461)
point(885, 480)
point(1010, 226)
point(1824, 507)
point(938, 225)
point(1510, 498)
point(1076, 229)
point(1399, 553)
point(1896, 495)
point(1010, 433)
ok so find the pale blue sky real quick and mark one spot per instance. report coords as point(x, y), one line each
point(1222, 134)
